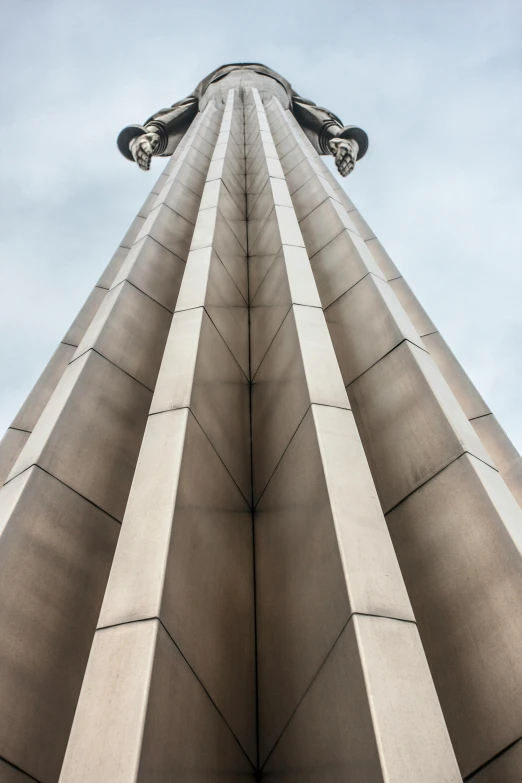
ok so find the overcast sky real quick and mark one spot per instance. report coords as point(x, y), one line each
point(436, 85)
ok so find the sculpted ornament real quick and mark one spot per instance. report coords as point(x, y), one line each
point(143, 147)
point(345, 152)
point(163, 131)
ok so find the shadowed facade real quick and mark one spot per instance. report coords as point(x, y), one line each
point(256, 522)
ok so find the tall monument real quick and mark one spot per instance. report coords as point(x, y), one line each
point(256, 521)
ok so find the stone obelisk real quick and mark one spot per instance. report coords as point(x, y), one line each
point(256, 522)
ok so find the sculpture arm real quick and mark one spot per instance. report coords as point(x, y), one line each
point(329, 136)
point(168, 125)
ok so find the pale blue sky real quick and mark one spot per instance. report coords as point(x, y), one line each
point(437, 85)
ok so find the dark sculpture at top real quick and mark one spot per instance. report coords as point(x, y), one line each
point(163, 131)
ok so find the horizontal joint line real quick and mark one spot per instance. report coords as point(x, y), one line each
point(189, 409)
point(36, 465)
point(15, 766)
point(113, 364)
point(160, 622)
point(315, 676)
point(491, 760)
point(129, 282)
point(413, 491)
point(404, 340)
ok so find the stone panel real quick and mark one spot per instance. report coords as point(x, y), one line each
point(505, 769)
point(298, 369)
point(410, 423)
point(288, 281)
point(212, 230)
point(112, 268)
point(147, 205)
point(323, 224)
point(292, 159)
point(382, 258)
point(143, 716)
point(10, 447)
point(9, 774)
point(365, 324)
point(216, 274)
point(361, 225)
point(84, 318)
point(90, 432)
point(467, 395)
point(207, 283)
point(504, 454)
point(169, 229)
point(153, 269)
point(340, 265)
point(55, 555)
point(40, 394)
point(199, 371)
point(300, 175)
point(160, 182)
point(185, 556)
point(180, 199)
point(133, 231)
point(414, 310)
point(370, 715)
point(458, 540)
point(188, 176)
point(322, 553)
point(130, 330)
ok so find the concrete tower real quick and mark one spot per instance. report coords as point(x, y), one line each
point(257, 523)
